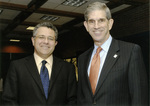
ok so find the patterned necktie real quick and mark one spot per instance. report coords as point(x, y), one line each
point(94, 70)
point(44, 78)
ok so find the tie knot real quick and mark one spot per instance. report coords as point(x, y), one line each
point(98, 50)
point(44, 62)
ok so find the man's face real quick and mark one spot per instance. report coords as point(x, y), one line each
point(44, 42)
point(98, 26)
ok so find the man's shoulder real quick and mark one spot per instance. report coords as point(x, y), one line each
point(86, 52)
point(126, 43)
point(60, 60)
point(128, 46)
point(20, 60)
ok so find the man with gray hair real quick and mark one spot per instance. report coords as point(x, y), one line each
point(112, 72)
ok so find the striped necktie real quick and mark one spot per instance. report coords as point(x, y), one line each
point(94, 70)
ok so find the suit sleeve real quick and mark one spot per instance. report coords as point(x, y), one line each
point(138, 82)
point(79, 84)
point(9, 96)
point(72, 86)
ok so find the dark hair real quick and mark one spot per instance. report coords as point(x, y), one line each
point(48, 25)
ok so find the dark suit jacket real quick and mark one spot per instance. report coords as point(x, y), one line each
point(123, 80)
point(23, 84)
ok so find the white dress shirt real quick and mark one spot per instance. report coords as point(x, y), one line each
point(48, 65)
point(103, 54)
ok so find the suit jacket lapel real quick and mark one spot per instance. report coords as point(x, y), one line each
point(86, 65)
point(55, 71)
point(110, 60)
point(32, 68)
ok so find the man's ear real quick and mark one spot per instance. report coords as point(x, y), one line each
point(56, 42)
point(85, 25)
point(111, 21)
point(32, 39)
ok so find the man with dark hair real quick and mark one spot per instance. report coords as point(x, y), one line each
point(41, 79)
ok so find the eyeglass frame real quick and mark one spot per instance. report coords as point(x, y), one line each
point(42, 37)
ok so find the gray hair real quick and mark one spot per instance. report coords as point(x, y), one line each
point(48, 25)
point(97, 6)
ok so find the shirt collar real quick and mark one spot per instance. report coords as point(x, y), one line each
point(38, 59)
point(105, 46)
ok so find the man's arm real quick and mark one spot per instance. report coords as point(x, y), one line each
point(138, 82)
point(72, 86)
point(9, 95)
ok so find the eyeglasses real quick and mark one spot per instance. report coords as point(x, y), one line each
point(42, 37)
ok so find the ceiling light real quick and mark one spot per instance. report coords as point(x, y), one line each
point(30, 28)
point(14, 40)
point(121, 7)
point(49, 18)
point(75, 3)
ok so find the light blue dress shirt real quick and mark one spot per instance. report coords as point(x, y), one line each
point(103, 54)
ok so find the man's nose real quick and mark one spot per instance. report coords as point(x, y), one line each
point(96, 25)
point(46, 40)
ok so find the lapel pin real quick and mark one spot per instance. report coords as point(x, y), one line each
point(115, 56)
